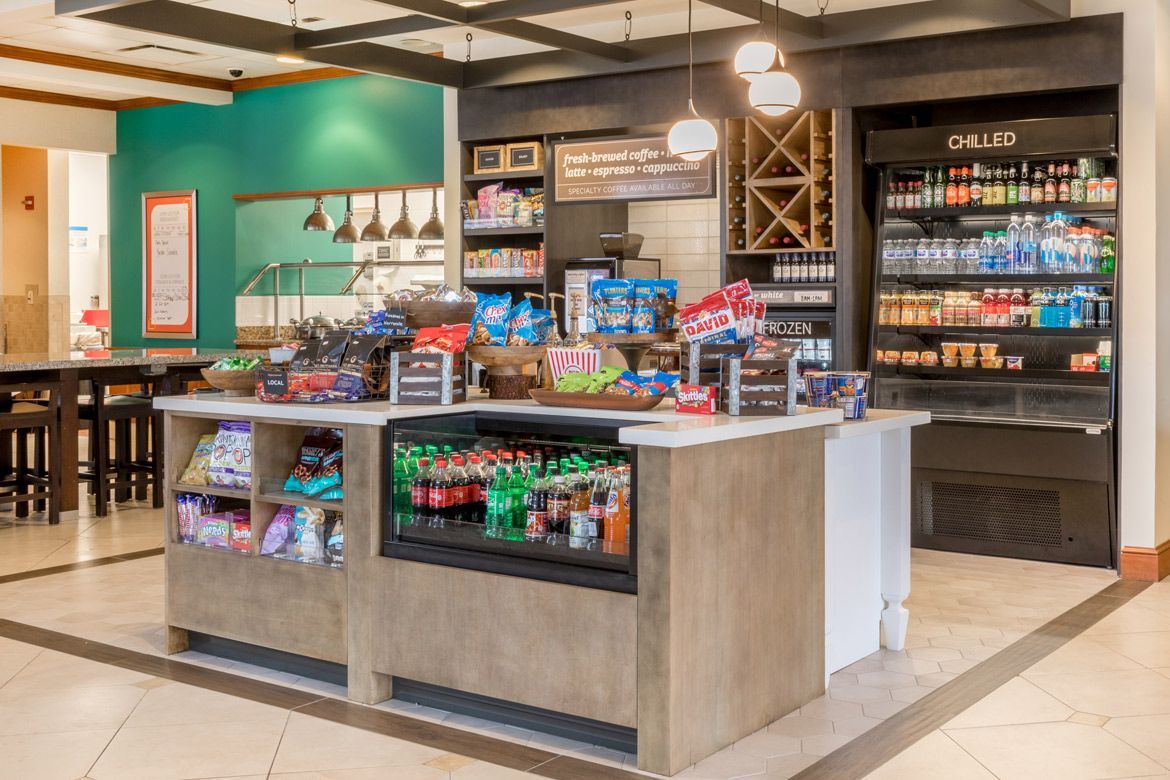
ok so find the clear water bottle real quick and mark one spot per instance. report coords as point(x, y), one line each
point(922, 256)
point(969, 252)
point(1028, 246)
point(1059, 236)
point(889, 258)
point(936, 250)
point(950, 256)
point(1047, 264)
point(986, 256)
point(1000, 252)
point(1012, 247)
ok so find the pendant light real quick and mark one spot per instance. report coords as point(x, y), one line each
point(756, 57)
point(776, 91)
point(348, 233)
point(695, 138)
point(319, 220)
point(432, 229)
point(403, 228)
point(376, 230)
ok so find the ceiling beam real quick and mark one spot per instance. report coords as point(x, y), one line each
point(403, 25)
point(194, 22)
point(517, 9)
point(26, 54)
point(804, 26)
point(65, 77)
point(514, 28)
point(56, 98)
point(1057, 10)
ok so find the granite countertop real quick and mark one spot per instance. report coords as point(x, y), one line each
point(163, 356)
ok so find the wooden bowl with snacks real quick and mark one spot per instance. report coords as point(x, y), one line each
point(237, 384)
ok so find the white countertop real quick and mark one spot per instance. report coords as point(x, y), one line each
point(664, 427)
point(876, 421)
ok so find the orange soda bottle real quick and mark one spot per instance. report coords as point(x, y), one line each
point(616, 538)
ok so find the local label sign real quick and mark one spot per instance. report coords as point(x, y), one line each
point(622, 169)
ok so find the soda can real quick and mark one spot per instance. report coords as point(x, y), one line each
point(1104, 312)
point(1077, 191)
point(1109, 190)
point(1089, 313)
point(1093, 191)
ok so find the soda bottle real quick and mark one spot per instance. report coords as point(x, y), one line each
point(1108, 253)
point(616, 532)
point(460, 508)
point(1012, 187)
point(598, 500)
point(498, 518)
point(559, 496)
point(476, 492)
point(420, 494)
point(963, 191)
point(402, 483)
point(952, 191)
point(518, 517)
point(440, 494)
point(579, 484)
point(536, 507)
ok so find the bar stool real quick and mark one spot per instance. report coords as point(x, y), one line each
point(25, 423)
point(134, 463)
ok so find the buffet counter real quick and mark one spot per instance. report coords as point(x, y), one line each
point(706, 625)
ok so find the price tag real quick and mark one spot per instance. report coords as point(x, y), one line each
point(395, 317)
point(813, 296)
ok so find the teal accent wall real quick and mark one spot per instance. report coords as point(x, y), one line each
point(268, 231)
point(359, 131)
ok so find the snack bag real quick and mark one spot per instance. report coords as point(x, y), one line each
point(329, 356)
point(445, 338)
point(711, 321)
point(231, 456)
point(665, 302)
point(611, 302)
point(280, 532)
point(602, 378)
point(317, 442)
point(196, 471)
point(300, 370)
point(768, 348)
point(335, 540)
point(309, 534)
point(489, 326)
point(240, 530)
point(544, 325)
point(327, 474)
point(642, 318)
point(486, 200)
point(213, 531)
point(521, 332)
point(362, 374)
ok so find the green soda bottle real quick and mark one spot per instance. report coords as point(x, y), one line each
point(402, 482)
point(499, 506)
point(519, 517)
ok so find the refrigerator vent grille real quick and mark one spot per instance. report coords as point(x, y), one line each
point(991, 513)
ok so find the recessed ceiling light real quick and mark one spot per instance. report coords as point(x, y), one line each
point(290, 59)
point(415, 43)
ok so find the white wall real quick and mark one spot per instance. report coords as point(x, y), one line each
point(89, 272)
point(684, 235)
point(24, 123)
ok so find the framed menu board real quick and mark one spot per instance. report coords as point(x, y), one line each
point(169, 259)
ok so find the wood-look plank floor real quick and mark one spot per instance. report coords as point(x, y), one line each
point(881, 743)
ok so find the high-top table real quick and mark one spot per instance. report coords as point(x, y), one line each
point(114, 366)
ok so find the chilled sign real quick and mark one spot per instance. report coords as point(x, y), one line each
point(982, 140)
point(621, 169)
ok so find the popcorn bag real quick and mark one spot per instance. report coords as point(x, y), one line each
point(563, 360)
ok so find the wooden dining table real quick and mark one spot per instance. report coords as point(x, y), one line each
point(164, 368)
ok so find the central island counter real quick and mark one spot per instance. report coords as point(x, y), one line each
point(709, 624)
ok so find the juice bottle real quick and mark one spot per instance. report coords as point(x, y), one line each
point(987, 315)
point(1003, 308)
point(936, 308)
point(974, 309)
point(616, 531)
point(1019, 309)
point(948, 310)
point(922, 308)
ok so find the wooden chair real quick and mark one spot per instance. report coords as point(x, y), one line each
point(31, 425)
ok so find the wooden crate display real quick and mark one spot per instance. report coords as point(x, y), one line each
point(780, 183)
point(772, 393)
point(700, 364)
point(440, 381)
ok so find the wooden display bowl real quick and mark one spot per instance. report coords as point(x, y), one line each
point(239, 384)
point(506, 360)
point(611, 402)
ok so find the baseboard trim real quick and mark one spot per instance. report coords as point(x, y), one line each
point(1146, 564)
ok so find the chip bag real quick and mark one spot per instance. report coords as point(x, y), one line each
point(611, 304)
point(489, 326)
point(521, 332)
point(196, 471)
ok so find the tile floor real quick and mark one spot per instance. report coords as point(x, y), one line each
point(963, 610)
point(1098, 707)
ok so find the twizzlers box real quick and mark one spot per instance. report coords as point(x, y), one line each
point(697, 399)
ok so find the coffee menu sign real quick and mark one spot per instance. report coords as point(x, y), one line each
point(1080, 136)
point(621, 169)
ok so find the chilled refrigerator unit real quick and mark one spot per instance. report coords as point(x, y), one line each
point(995, 309)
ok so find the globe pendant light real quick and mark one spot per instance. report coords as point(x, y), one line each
point(348, 233)
point(403, 228)
point(695, 138)
point(754, 58)
point(319, 220)
point(376, 230)
point(432, 229)
point(775, 91)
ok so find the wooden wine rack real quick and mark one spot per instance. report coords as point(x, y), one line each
point(780, 189)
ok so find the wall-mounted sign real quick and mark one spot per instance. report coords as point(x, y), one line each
point(796, 328)
point(169, 260)
point(1081, 136)
point(618, 169)
point(798, 297)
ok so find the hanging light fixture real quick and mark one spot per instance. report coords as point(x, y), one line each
point(756, 57)
point(695, 138)
point(432, 229)
point(376, 230)
point(348, 233)
point(775, 91)
point(404, 228)
point(319, 220)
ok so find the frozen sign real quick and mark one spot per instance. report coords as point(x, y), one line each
point(628, 169)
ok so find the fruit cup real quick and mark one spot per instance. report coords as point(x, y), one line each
point(988, 350)
point(967, 349)
point(950, 348)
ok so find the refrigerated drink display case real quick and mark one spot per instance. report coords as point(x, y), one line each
point(544, 499)
point(813, 329)
point(995, 309)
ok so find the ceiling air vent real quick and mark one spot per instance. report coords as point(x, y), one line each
point(149, 47)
